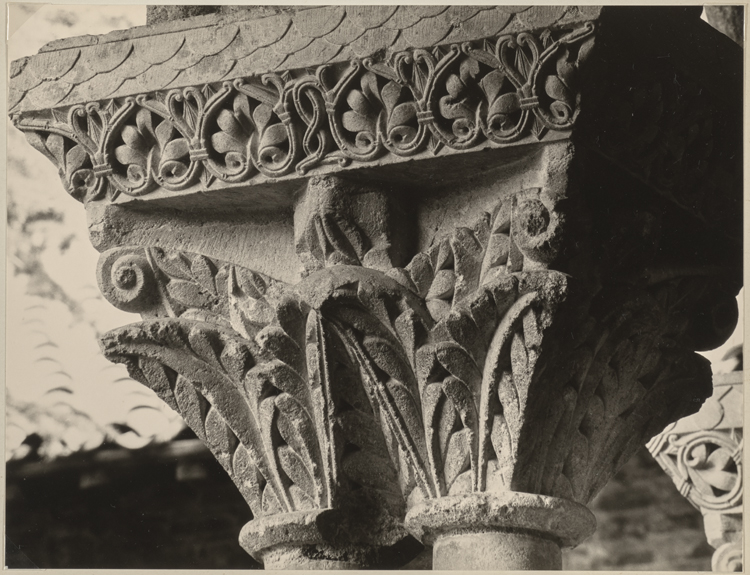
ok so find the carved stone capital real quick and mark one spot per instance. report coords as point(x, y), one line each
point(440, 384)
point(702, 454)
point(420, 285)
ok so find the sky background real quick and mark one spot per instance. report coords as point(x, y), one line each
point(61, 245)
point(58, 384)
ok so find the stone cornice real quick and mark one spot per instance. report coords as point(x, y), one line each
point(511, 89)
point(222, 104)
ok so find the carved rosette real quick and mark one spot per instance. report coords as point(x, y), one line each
point(490, 92)
point(703, 456)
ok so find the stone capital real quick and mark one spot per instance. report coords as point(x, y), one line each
point(425, 273)
point(702, 454)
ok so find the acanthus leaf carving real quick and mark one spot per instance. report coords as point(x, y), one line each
point(447, 352)
point(261, 378)
point(446, 363)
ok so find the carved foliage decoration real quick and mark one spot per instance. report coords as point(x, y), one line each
point(622, 372)
point(703, 456)
point(494, 91)
point(703, 453)
point(257, 374)
point(430, 380)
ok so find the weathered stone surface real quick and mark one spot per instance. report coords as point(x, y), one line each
point(485, 551)
point(563, 521)
point(409, 104)
point(703, 456)
point(503, 284)
point(340, 224)
point(254, 46)
point(225, 135)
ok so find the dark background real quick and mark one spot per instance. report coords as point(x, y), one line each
point(162, 507)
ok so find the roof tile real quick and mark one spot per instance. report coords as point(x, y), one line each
point(317, 23)
point(18, 66)
point(250, 38)
point(373, 40)
point(131, 68)
point(47, 94)
point(186, 57)
point(216, 40)
point(367, 17)
point(15, 95)
point(79, 74)
point(458, 14)
point(207, 70)
point(408, 16)
point(486, 22)
point(261, 61)
point(345, 33)
point(291, 42)
point(319, 52)
point(108, 56)
point(155, 78)
point(542, 16)
point(26, 79)
point(98, 88)
point(428, 31)
point(52, 65)
point(159, 49)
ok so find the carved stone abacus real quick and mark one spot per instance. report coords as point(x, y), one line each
point(411, 273)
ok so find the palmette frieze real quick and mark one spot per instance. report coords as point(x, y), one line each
point(489, 93)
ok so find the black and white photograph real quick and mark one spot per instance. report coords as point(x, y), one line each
point(393, 287)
